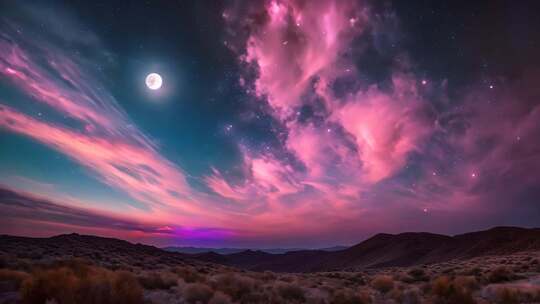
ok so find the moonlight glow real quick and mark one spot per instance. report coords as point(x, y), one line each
point(154, 81)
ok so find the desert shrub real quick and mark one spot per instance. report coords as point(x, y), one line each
point(358, 279)
point(260, 296)
point(396, 294)
point(80, 266)
point(158, 280)
point(474, 271)
point(126, 288)
point(267, 276)
point(4, 260)
point(233, 284)
point(506, 296)
point(383, 283)
point(189, 274)
point(316, 297)
point(348, 296)
point(410, 296)
point(517, 294)
point(290, 292)
point(93, 285)
point(448, 291)
point(448, 270)
point(12, 278)
point(197, 293)
point(162, 297)
point(466, 282)
point(220, 298)
point(418, 274)
point(500, 274)
point(287, 278)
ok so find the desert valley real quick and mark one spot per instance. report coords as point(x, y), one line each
point(500, 265)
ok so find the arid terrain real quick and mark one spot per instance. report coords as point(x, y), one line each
point(86, 269)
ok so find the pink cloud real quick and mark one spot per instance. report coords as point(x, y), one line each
point(78, 97)
point(386, 126)
point(366, 136)
point(140, 172)
point(296, 42)
point(105, 141)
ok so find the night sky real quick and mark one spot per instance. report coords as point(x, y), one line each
point(279, 123)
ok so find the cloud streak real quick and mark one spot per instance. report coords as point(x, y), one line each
point(103, 140)
point(23, 211)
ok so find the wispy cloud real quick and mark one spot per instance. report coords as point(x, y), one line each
point(103, 139)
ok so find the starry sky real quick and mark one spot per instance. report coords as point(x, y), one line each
point(279, 123)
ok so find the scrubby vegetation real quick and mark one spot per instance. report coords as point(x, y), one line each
point(115, 276)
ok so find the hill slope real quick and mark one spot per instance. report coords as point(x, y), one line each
point(381, 250)
point(385, 250)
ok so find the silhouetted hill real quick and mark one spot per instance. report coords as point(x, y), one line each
point(381, 250)
point(104, 251)
point(388, 250)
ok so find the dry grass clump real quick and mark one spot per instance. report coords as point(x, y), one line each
point(234, 285)
point(160, 296)
point(158, 280)
point(82, 285)
point(500, 274)
point(410, 296)
point(450, 291)
point(290, 292)
point(12, 279)
point(383, 283)
point(517, 294)
point(197, 293)
point(418, 274)
point(188, 274)
point(220, 298)
point(349, 296)
point(473, 271)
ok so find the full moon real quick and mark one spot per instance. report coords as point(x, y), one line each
point(154, 81)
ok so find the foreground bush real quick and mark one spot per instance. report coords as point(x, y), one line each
point(158, 280)
point(13, 278)
point(236, 286)
point(500, 274)
point(290, 292)
point(448, 291)
point(517, 294)
point(383, 283)
point(89, 285)
point(188, 274)
point(348, 296)
point(197, 293)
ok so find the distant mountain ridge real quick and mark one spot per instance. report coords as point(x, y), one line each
point(225, 251)
point(389, 250)
point(381, 250)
